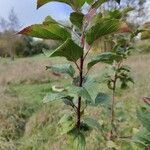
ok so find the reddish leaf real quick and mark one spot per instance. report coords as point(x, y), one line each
point(48, 31)
point(146, 100)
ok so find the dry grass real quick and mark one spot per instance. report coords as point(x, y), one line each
point(39, 130)
point(140, 65)
point(23, 71)
point(141, 72)
point(12, 118)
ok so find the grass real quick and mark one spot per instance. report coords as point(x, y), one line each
point(34, 92)
point(26, 70)
point(27, 124)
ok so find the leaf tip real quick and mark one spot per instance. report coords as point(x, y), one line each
point(25, 31)
point(39, 4)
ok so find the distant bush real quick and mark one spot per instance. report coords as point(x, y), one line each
point(143, 46)
point(37, 47)
point(26, 46)
point(21, 46)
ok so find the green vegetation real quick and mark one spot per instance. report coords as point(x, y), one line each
point(83, 92)
point(85, 106)
point(21, 46)
point(23, 102)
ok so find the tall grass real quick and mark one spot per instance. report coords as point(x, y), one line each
point(27, 124)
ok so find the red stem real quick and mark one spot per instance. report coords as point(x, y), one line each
point(112, 136)
point(80, 85)
point(112, 111)
point(79, 98)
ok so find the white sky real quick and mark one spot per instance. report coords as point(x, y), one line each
point(27, 13)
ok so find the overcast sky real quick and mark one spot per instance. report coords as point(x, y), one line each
point(28, 14)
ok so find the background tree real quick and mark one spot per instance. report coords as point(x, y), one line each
point(9, 27)
point(13, 21)
point(12, 45)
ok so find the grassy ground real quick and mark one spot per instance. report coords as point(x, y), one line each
point(27, 124)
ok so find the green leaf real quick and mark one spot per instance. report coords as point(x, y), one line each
point(78, 140)
point(49, 20)
point(89, 1)
point(96, 19)
point(80, 91)
point(143, 138)
point(76, 19)
point(73, 3)
point(66, 123)
point(46, 31)
point(92, 123)
point(118, 1)
point(68, 100)
point(85, 94)
point(69, 50)
point(89, 90)
point(79, 3)
point(62, 68)
point(130, 79)
point(102, 98)
point(107, 57)
point(84, 127)
point(116, 14)
point(126, 10)
point(143, 115)
point(102, 28)
point(76, 80)
point(50, 97)
point(125, 78)
point(124, 68)
point(92, 86)
point(43, 2)
point(98, 3)
point(124, 85)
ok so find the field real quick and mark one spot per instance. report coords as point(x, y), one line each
point(28, 124)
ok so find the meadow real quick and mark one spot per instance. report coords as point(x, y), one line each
point(28, 124)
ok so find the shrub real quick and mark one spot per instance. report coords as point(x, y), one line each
point(37, 47)
point(143, 46)
point(83, 90)
point(142, 138)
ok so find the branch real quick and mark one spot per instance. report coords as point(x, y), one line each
point(77, 65)
point(75, 108)
point(86, 72)
point(87, 53)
